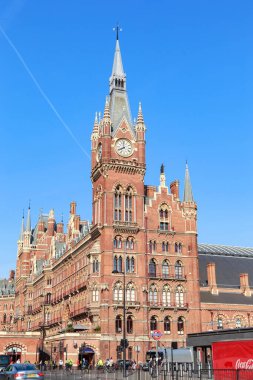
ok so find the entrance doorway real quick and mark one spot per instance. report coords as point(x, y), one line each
point(88, 354)
point(15, 353)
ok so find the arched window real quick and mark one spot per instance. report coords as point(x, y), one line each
point(178, 270)
point(152, 268)
point(95, 295)
point(153, 295)
point(118, 292)
point(164, 218)
point(165, 246)
point(118, 204)
point(179, 296)
point(166, 296)
point(129, 324)
point(130, 292)
point(119, 264)
point(180, 325)
point(166, 325)
point(130, 264)
point(178, 247)
point(115, 263)
point(118, 324)
point(129, 243)
point(129, 205)
point(165, 269)
point(117, 242)
point(95, 266)
point(153, 323)
point(4, 318)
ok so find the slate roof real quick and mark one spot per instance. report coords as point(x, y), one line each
point(228, 298)
point(229, 263)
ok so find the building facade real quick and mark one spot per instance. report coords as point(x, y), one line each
point(135, 267)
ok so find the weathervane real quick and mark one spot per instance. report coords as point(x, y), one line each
point(117, 29)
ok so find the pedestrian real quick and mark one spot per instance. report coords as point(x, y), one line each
point(60, 364)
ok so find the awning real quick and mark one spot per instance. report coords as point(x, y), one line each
point(80, 327)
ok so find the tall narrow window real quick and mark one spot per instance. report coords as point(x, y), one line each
point(152, 268)
point(118, 292)
point(166, 296)
point(178, 270)
point(165, 269)
point(153, 295)
point(164, 218)
point(238, 323)
point(118, 204)
point(128, 205)
point(153, 323)
point(129, 324)
point(219, 323)
point(118, 324)
point(130, 292)
point(180, 326)
point(179, 296)
point(166, 324)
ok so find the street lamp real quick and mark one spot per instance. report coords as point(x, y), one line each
point(43, 330)
point(124, 340)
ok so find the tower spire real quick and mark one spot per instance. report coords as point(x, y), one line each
point(188, 197)
point(28, 222)
point(22, 227)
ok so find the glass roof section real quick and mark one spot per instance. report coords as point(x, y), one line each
point(216, 249)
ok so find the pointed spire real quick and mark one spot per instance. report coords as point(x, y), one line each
point(106, 116)
point(95, 131)
point(22, 228)
point(188, 197)
point(140, 126)
point(28, 222)
point(117, 68)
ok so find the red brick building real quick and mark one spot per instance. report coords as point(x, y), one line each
point(142, 242)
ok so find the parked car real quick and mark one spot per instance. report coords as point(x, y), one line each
point(145, 366)
point(119, 364)
point(21, 371)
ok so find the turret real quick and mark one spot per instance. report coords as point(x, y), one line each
point(140, 134)
point(51, 223)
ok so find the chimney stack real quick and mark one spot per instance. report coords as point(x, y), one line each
point(211, 278)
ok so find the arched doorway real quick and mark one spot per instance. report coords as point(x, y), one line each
point(15, 353)
point(87, 353)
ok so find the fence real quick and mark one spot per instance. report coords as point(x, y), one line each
point(179, 374)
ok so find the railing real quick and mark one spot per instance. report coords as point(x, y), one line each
point(82, 310)
point(168, 276)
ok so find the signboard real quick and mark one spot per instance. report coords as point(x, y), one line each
point(156, 334)
point(233, 355)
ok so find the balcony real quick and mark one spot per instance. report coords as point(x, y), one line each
point(80, 311)
point(168, 276)
point(129, 304)
point(172, 305)
point(127, 227)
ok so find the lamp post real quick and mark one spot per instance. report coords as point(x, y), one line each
point(123, 341)
point(43, 330)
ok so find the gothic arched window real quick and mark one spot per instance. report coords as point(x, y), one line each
point(118, 324)
point(129, 324)
point(117, 242)
point(129, 264)
point(165, 269)
point(178, 247)
point(164, 217)
point(152, 268)
point(166, 296)
point(153, 323)
point(118, 292)
point(130, 292)
point(179, 296)
point(180, 325)
point(153, 295)
point(178, 270)
point(95, 294)
point(166, 325)
point(130, 243)
point(129, 205)
point(118, 204)
point(95, 266)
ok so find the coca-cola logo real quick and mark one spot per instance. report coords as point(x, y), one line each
point(244, 365)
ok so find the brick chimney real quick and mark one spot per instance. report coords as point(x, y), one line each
point(59, 228)
point(211, 278)
point(73, 208)
point(12, 275)
point(174, 188)
point(244, 284)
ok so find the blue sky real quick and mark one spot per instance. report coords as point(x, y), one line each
point(190, 63)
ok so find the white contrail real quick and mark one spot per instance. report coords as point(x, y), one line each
point(42, 92)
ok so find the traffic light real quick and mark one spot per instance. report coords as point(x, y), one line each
point(124, 343)
point(119, 349)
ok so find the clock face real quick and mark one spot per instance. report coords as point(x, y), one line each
point(99, 152)
point(124, 147)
